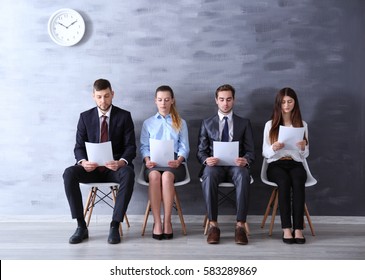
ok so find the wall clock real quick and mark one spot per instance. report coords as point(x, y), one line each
point(66, 27)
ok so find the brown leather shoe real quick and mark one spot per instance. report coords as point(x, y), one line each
point(240, 236)
point(214, 234)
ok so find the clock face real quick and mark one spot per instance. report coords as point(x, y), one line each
point(66, 27)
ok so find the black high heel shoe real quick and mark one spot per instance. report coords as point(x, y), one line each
point(168, 235)
point(157, 236)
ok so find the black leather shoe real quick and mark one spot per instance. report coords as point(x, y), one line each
point(114, 236)
point(79, 235)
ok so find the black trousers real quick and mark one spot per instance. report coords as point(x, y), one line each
point(76, 174)
point(239, 176)
point(290, 176)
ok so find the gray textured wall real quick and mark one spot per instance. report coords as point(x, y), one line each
point(316, 47)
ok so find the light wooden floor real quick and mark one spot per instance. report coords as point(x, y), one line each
point(337, 238)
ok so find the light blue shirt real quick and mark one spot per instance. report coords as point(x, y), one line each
point(160, 128)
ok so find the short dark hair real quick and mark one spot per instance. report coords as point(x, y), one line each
point(225, 87)
point(102, 84)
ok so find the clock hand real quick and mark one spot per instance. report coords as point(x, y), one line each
point(72, 23)
point(62, 24)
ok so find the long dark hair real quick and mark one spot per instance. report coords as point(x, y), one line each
point(277, 118)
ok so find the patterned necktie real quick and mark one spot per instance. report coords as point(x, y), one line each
point(104, 130)
point(225, 133)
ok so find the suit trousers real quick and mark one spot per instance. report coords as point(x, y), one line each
point(213, 176)
point(290, 176)
point(76, 174)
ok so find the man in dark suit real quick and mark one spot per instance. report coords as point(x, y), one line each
point(225, 126)
point(102, 123)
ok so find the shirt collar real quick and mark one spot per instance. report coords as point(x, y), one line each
point(107, 113)
point(159, 116)
point(221, 115)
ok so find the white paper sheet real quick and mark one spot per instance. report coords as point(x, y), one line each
point(161, 151)
point(227, 152)
point(100, 153)
point(290, 136)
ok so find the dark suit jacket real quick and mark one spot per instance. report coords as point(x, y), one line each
point(242, 132)
point(121, 133)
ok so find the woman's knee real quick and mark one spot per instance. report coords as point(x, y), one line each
point(154, 176)
point(167, 177)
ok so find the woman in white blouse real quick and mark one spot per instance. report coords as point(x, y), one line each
point(285, 166)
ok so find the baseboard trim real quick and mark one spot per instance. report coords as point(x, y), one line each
point(188, 219)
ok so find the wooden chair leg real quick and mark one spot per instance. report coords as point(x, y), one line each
point(87, 207)
point(179, 211)
point(205, 220)
point(93, 193)
point(275, 208)
point(206, 226)
point(309, 219)
point(126, 220)
point(247, 228)
point(268, 207)
point(147, 212)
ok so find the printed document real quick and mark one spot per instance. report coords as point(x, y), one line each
point(290, 136)
point(161, 151)
point(227, 152)
point(100, 153)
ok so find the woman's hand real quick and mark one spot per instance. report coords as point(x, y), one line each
point(301, 144)
point(174, 163)
point(277, 146)
point(150, 164)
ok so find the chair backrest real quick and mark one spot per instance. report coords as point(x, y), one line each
point(311, 181)
point(142, 181)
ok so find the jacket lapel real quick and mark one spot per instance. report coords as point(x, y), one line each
point(215, 128)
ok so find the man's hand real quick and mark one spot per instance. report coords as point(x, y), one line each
point(241, 161)
point(88, 165)
point(115, 164)
point(212, 161)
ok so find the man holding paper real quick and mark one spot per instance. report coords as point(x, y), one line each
point(225, 126)
point(102, 124)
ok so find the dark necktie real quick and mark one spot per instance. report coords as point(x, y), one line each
point(103, 137)
point(225, 133)
point(104, 130)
